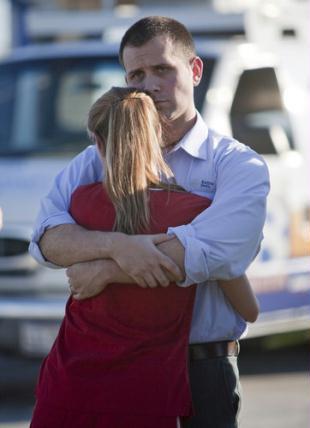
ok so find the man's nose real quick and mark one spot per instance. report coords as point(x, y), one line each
point(151, 84)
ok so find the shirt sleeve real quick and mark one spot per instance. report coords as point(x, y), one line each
point(224, 239)
point(83, 169)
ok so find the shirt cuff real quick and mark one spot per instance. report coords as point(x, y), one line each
point(35, 252)
point(38, 231)
point(196, 255)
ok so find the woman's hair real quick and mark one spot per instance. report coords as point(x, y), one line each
point(128, 125)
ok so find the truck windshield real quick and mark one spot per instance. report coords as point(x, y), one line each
point(44, 104)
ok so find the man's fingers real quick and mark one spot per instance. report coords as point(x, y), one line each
point(157, 273)
point(146, 281)
point(140, 281)
point(153, 279)
point(150, 280)
point(161, 277)
point(172, 267)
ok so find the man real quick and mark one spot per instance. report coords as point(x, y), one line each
point(158, 55)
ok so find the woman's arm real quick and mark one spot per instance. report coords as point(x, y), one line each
point(241, 296)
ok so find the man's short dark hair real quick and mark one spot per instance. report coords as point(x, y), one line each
point(147, 28)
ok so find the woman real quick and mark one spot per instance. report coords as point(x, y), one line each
point(120, 358)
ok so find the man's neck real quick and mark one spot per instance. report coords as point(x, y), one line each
point(177, 130)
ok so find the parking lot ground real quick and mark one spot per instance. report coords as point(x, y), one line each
point(275, 387)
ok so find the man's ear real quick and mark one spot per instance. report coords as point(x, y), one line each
point(197, 69)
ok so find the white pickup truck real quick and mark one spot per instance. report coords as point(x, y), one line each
point(45, 92)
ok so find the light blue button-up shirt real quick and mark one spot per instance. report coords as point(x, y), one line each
point(220, 243)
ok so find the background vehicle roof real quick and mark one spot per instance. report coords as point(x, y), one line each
point(86, 48)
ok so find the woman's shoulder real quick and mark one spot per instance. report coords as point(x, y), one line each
point(174, 208)
point(91, 207)
point(90, 188)
point(92, 194)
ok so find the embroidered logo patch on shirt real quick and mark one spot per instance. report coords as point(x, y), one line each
point(207, 185)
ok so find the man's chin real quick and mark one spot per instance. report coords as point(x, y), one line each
point(167, 113)
point(163, 107)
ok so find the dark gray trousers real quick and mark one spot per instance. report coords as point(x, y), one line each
point(216, 393)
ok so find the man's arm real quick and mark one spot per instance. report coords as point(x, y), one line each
point(76, 243)
point(137, 255)
point(223, 240)
point(57, 241)
point(83, 169)
point(88, 279)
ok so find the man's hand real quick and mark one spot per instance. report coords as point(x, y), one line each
point(87, 279)
point(138, 256)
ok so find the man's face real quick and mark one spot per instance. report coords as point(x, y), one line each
point(163, 70)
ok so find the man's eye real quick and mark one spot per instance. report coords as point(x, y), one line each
point(163, 68)
point(135, 77)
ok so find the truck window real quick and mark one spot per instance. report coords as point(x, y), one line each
point(257, 115)
point(44, 104)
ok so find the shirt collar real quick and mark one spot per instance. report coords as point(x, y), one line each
point(194, 140)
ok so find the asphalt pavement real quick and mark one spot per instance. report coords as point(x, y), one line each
point(275, 385)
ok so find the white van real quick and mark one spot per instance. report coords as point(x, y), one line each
point(255, 96)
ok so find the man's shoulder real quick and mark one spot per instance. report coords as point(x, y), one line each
point(87, 158)
point(86, 167)
point(89, 154)
point(224, 146)
point(225, 143)
point(230, 156)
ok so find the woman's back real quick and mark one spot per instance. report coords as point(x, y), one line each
point(127, 347)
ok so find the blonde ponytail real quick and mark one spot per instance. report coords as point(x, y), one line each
point(127, 122)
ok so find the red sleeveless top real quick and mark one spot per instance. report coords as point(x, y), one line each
point(125, 350)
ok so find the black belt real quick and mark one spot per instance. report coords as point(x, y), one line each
point(200, 351)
